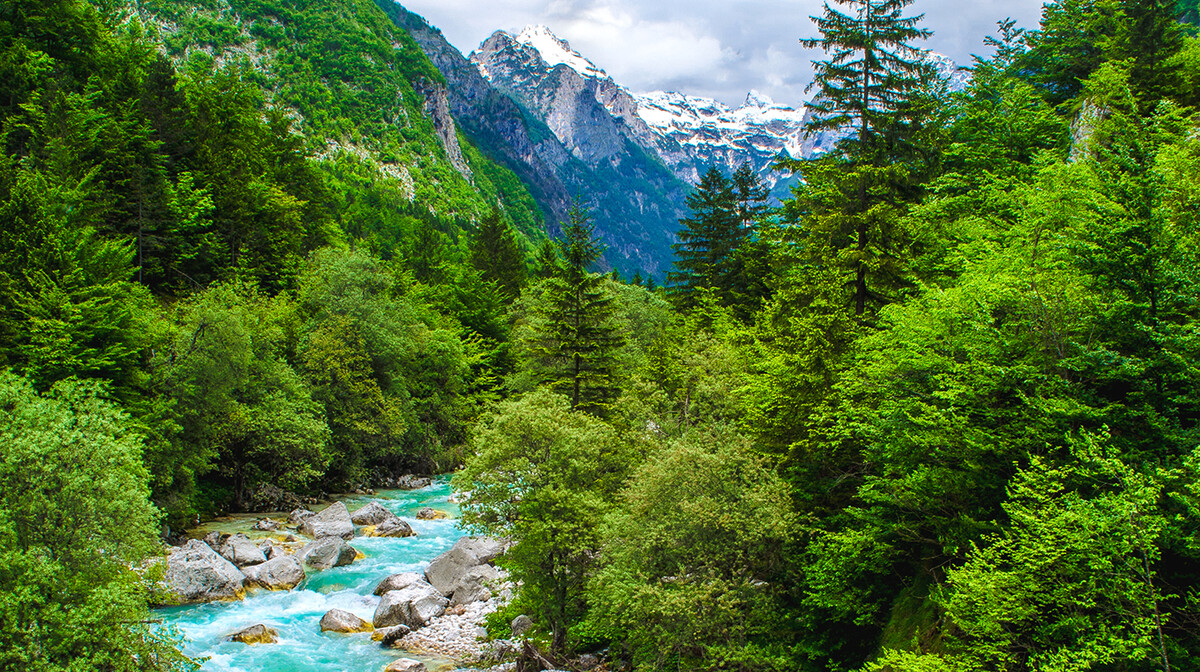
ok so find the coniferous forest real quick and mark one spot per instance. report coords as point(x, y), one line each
point(938, 411)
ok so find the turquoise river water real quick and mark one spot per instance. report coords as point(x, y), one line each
point(296, 614)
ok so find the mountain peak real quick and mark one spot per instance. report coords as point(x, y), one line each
point(556, 51)
point(756, 99)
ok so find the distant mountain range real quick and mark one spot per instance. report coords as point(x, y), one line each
point(559, 121)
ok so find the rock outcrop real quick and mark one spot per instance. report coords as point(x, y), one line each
point(333, 521)
point(279, 573)
point(196, 573)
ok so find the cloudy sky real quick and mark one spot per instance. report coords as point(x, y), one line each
point(715, 48)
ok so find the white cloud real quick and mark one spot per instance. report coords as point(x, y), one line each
point(716, 48)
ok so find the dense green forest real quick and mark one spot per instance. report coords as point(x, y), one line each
point(938, 412)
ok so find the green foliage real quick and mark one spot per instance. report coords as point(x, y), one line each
point(497, 255)
point(244, 411)
point(74, 519)
point(694, 557)
point(541, 474)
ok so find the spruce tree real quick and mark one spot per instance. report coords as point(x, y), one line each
point(497, 255)
point(870, 86)
point(707, 242)
point(573, 349)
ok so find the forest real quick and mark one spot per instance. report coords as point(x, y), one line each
point(937, 412)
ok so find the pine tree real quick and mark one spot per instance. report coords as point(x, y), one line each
point(871, 86)
point(497, 255)
point(704, 256)
point(573, 349)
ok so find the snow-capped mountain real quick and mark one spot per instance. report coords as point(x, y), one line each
point(710, 133)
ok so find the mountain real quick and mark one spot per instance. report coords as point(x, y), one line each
point(696, 133)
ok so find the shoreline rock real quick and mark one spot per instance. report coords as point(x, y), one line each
point(333, 521)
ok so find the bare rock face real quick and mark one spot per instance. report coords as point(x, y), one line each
point(413, 606)
point(242, 552)
point(437, 106)
point(337, 620)
point(283, 572)
point(255, 634)
point(398, 582)
point(195, 573)
point(405, 665)
point(334, 521)
point(327, 552)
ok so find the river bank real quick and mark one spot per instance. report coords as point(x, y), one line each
point(449, 641)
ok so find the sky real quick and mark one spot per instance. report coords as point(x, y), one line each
point(712, 48)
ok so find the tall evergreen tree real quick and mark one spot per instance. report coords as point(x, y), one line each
point(497, 255)
point(704, 256)
point(869, 85)
point(573, 347)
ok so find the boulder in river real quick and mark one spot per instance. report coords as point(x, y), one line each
point(242, 552)
point(280, 573)
point(333, 521)
point(337, 620)
point(430, 513)
point(266, 525)
point(371, 514)
point(405, 665)
point(298, 516)
point(398, 582)
point(393, 527)
point(388, 636)
point(195, 573)
point(327, 552)
point(413, 606)
point(255, 634)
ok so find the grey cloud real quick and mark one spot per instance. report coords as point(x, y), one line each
point(719, 49)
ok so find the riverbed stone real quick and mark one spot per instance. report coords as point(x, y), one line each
point(371, 514)
point(430, 513)
point(266, 525)
point(338, 620)
point(405, 665)
point(398, 582)
point(328, 552)
point(413, 606)
point(280, 573)
point(195, 573)
point(255, 634)
point(333, 521)
point(242, 552)
point(393, 527)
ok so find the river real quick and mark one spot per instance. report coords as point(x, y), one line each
point(296, 614)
